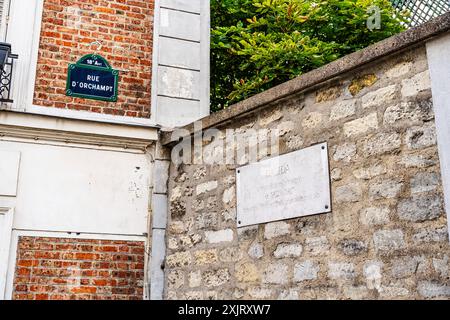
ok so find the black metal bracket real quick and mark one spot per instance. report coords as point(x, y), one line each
point(6, 79)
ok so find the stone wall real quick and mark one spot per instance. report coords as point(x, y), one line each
point(124, 29)
point(386, 237)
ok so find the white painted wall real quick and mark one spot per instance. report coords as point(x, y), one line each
point(438, 51)
point(180, 89)
point(80, 190)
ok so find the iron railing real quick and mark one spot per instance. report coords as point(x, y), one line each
point(422, 11)
point(6, 79)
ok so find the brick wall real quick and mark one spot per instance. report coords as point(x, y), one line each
point(76, 269)
point(125, 29)
point(386, 237)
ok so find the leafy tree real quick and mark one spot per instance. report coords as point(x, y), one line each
point(257, 44)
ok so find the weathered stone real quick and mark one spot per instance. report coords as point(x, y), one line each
point(175, 194)
point(294, 142)
point(199, 173)
point(177, 209)
point(204, 257)
point(247, 233)
point(336, 174)
point(431, 289)
point(228, 195)
point(272, 117)
point(215, 278)
point(424, 182)
point(226, 235)
point(388, 240)
point(374, 216)
point(288, 295)
point(362, 125)
point(211, 295)
point(367, 173)
point(421, 137)
point(381, 97)
point(442, 266)
point(418, 83)
point(306, 270)
point(317, 246)
point(348, 193)
point(409, 112)
point(407, 266)
point(172, 243)
point(247, 272)
point(198, 205)
point(339, 270)
point(288, 250)
point(195, 279)
point(328, 94)
point(433, 235)
point(420, 208)
point(285, 127)
point(385, 189)
point(399, 70)
point(207, 187)
point(260, 293)
point(229, 214)
point(343, 109)
point(276, 229)
point(177, 227)
point(352, 247)
point(175, 279)
point(206, 220)
point(312, 120)
point(389, 292)
point(256, 250)
point(276, 273)
point(231, 254)
point(179, 259)
point(344, 152)
point(372, 272)
point(417, 161)
point(193, 295)
point(362, 82)
point(381, 143)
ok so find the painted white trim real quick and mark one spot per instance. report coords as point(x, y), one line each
point(6, 222)
point(18, 233)
point(19, 125)
point(91, 116)
point(155, 61)
point(438, 51)
point(3, 20)
point(205, 42)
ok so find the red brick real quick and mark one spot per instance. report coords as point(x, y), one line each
point(66, 273)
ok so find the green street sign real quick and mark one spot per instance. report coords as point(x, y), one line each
point(92, 78)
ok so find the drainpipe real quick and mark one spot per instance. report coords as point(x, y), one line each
point(148, 243)
point(159, 225)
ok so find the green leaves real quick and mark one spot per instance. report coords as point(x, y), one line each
point(257, 44)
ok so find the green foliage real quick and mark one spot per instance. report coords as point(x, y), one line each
point(257, 44)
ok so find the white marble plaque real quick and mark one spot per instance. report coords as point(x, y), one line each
point(289, 186)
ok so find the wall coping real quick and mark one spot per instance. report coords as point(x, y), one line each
point(384, 48)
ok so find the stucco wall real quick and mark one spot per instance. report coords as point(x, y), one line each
point(386, 236)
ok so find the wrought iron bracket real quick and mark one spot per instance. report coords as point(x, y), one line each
point(6, 79)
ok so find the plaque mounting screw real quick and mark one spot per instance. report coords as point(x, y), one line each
point(239, 222)
point(323, 147)
point(327, 207)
